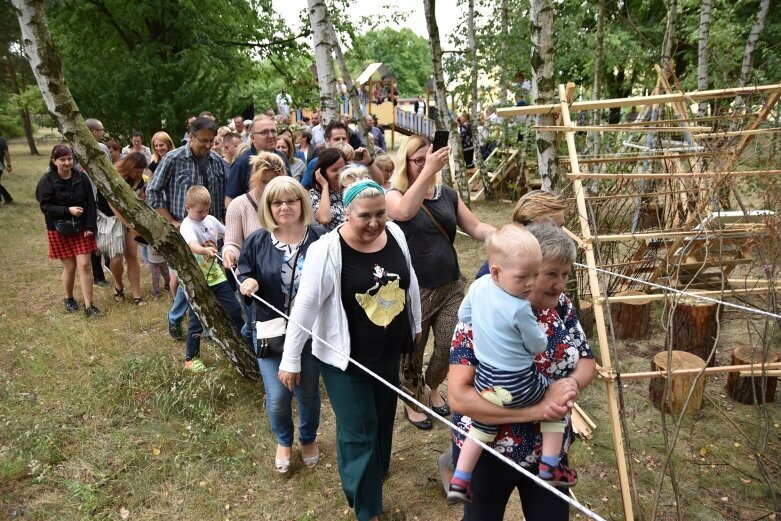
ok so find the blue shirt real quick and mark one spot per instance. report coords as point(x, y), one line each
point(309, 174)
point(506, 334)
point(238, 181)
point(177, 172)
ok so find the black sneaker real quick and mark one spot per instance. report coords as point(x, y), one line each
point(70, 304)
point(176, 331)
point(92, 311)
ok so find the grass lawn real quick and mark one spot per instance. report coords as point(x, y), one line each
point(99, 421)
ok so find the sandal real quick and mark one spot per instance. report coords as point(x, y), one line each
point(311, 461)
point(139, 301)
point(281, 465)
point(119, 294)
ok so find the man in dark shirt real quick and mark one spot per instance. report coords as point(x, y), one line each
point(5, 166)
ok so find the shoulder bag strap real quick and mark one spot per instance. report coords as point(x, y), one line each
point(252, 201)
point(434, 221)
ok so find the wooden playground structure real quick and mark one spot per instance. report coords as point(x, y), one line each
point(649, 213)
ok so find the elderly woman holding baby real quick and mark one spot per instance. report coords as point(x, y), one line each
point(567, 361)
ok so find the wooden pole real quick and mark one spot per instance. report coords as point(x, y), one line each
point(677, 175)
point(616, 128)
point(756, 370)
point(599, 317)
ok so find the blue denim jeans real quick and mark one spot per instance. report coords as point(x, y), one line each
point(225, 295)
point(179, 307)
point(279, 398)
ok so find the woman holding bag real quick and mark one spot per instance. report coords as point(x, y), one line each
point(359, 293)
point(270, 265)
point(66, 200)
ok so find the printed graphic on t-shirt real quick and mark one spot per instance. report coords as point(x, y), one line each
point(384, 300)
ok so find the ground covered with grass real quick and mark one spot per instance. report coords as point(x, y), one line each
point(99, 421)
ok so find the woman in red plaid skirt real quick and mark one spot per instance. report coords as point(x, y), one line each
point(68, 204)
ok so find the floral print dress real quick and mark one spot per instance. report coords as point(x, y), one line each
point(567, 344)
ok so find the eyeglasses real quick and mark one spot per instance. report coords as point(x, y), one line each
point(419, 161)
point(204, 140)
point(267, 132)
point(289, 202)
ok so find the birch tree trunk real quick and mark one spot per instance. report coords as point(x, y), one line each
point(597, 91)
point(476, 159)
point(669, 38)
point(543, 88)
point(326, 77)
point(444, 121)
point(352, 89)
point(46, 66)
point(702, 54)
point(751, 47)
point(503, 74)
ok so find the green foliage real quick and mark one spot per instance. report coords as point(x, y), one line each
point(403, 52)
point(147, 65)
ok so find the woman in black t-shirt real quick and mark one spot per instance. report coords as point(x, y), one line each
point(359, 294)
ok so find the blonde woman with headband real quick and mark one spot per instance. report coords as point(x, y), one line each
point(367, 259)
point(429, 214)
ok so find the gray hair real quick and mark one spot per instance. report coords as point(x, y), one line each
point(554, 242)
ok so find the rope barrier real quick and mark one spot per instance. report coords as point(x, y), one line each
point(439, 418)
point(672, 290)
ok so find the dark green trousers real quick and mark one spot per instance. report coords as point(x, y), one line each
point(364, 410)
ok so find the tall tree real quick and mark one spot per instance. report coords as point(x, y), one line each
point(444, 120)
point(751, 43)
point(474, 99)
point(352, 89)
point(45, 62)
point(669, 36)
point(326, 77)
point(543, 88)
point(597, 90)
point(702, 54)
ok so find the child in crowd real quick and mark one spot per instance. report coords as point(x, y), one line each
point(201, 232)
point(506, 340)
point(159, 268)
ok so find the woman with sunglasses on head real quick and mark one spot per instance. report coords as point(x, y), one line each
point(270, 265)
point(429, 214)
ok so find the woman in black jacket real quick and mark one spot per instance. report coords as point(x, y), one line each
point(68, 204)
point(270, 265)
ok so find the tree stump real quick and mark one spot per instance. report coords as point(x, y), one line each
point(742, 388)
point(586, 317)
point(694, 327)
point(679, 384)
point(651, 216)
point(630, 319)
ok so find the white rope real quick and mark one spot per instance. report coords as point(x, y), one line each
point(684, 293)
point(409, 398)
point(673, 290)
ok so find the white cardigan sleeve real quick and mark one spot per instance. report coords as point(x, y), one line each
point(314, 288)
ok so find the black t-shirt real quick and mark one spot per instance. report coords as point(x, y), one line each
point(433, 256)
point(374, 296)
point(3, 148)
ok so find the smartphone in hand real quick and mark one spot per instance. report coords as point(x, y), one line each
point(440, 139)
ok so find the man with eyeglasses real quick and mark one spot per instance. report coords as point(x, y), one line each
point(335, 132)
point(263, 138)
point(194, 163)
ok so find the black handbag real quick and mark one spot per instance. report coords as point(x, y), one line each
point(69, 227)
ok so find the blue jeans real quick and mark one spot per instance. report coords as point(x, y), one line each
point(278, 398)
point(179, 307)
point(224, 294)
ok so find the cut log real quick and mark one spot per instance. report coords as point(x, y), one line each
point(586, 317)
point(694, 327)
point(743, 388)
point(630, 319)
point(679, 385)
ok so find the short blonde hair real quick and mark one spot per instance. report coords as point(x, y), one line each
point(350, 174)
point(197, 196)
point(400, 179)
point(511, 240)
point(383, 161)
point(346, 149)
point(276, 187)
point(223, 130)
point(263, 162)
point(537, 204)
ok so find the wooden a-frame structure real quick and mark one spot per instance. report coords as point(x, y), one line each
point(685, 239)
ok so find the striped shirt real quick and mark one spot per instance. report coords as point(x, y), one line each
point(177, 172)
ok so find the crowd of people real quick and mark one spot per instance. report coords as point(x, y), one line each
point(359, 249)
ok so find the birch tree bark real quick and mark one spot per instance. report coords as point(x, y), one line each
point(751, 47)
point(597, 90)
point(46, 66)
point(476, 159)
point(505, 24)
point(352, 89)
point(702, 54)
point(326, 77)
point(669, 37)
point(543, 89)
point(444, 121)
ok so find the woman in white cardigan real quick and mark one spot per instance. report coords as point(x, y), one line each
point(359, 294)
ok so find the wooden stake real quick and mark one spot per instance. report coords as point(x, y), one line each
point(678, 175)
point(616, 128)
point(757, 368)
